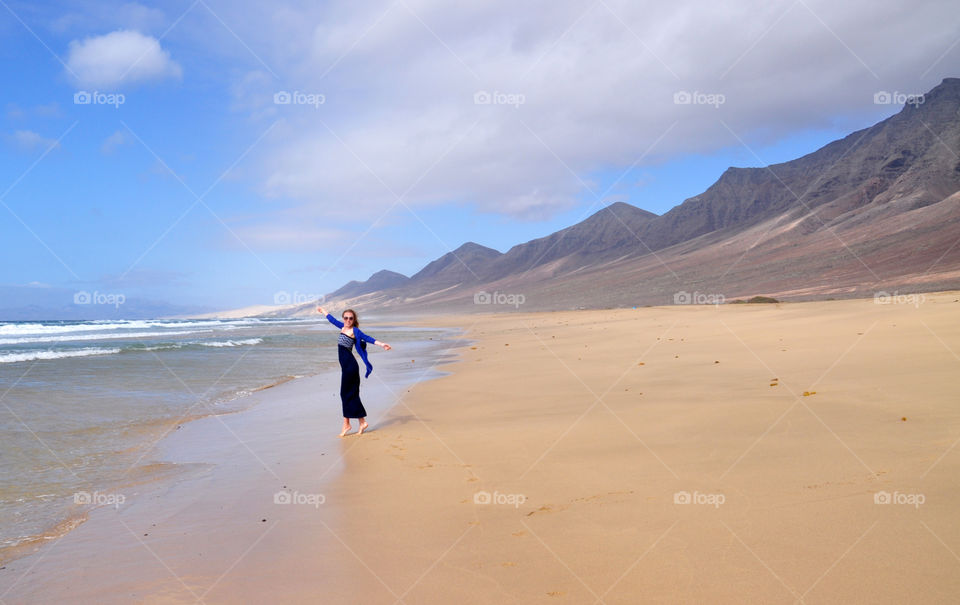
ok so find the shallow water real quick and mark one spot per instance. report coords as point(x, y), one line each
point(83, 403)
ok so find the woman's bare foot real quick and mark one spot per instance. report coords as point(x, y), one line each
point(346, 429)
point(363, 427)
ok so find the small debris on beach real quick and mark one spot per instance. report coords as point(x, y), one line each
point(808, 393)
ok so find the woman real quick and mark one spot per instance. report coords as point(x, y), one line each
point(350, 334)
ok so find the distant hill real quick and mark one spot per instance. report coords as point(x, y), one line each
point(381, 280)
point(876, 210)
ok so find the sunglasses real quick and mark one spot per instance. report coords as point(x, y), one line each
point(350, 318)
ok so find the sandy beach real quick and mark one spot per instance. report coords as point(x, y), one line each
point(770, 453)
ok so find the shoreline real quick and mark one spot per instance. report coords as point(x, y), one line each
point(161, 472)
point(191, 455)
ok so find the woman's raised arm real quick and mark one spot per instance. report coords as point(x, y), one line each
point(330, 318)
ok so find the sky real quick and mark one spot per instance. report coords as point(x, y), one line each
point(205, 154)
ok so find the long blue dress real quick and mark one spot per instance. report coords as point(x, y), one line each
point(349, 379)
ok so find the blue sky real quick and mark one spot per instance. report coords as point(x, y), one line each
point(302, 198)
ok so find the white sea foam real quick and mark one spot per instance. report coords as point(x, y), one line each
point(230, 343)
point(35, 355)
point(204, 343)
point(28, 328)
point(74, 337)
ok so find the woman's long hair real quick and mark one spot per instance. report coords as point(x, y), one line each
point(356, 318)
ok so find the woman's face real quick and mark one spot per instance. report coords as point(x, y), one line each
point(349, 318)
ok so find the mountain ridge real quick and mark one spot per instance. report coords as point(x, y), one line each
point(876, 208)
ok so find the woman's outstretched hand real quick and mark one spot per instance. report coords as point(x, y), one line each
point(385, 346)
point(321, 310)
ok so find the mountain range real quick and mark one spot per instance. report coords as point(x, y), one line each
point(878, 210)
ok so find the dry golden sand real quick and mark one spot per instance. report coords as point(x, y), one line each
point(589, 430)
point(602, 420)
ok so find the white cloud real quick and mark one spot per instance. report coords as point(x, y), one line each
point(113, 141)
point(130, 15)
point(120, 58)
point(27, 140)
point(598, 84)
point(286, 237)
point(14, 112)
point(50, 110)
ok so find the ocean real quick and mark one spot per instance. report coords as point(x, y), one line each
point(83, 403)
